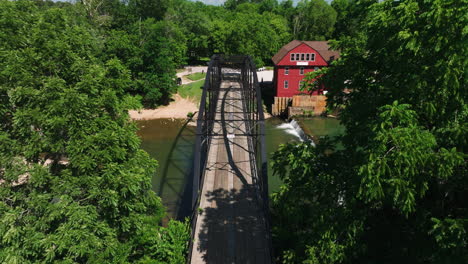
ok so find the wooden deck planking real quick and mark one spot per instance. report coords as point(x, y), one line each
point(231, 227)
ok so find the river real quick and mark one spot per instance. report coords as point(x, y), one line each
point(171, 143)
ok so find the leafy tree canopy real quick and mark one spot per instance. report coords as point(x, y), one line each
point(313, 20)
point(74, 185)
point(396, 191)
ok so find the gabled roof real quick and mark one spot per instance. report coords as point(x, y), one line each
point(321, 47)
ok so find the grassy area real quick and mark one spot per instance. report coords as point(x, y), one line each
point(196, 76)
point(192, 90)
point(269, 68)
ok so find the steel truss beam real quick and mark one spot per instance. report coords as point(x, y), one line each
point(242, 69)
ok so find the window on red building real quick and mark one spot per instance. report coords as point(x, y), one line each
point(297, 56)
point(292, 56)
point(286, 71)
point(302, 56)
point(286, 84)
point(312, 56)
point(307, 56)
point(302, 71)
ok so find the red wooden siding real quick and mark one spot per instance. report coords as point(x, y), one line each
point(294, 77)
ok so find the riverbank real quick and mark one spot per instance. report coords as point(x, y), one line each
point(178, 109)
point(172, 143)
point(187, 99)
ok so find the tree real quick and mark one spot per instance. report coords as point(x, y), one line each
point(248, 32)
point(350, 16)
point(268, 6)
point(314, 20)
point(150, 49)
point(194, 21)
point(311, 223)
point(144, 9)
point(232, 4)
point(286, 9)
point(399, 179)
point(74, 184)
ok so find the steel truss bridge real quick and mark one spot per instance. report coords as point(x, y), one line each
point(230, 220)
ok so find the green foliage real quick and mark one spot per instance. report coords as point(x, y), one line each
point(192, 90)
point(194, 21)
point(402, 161)
point(196, 76)
point(255, 27)
point(75, 187)
point(351, 14)
point(248, 32)
point(144, 9)
point(165, 246)
point(146, 51)
point(244, 28)
point(313, 20)
point(400, 180)
point(311, 222)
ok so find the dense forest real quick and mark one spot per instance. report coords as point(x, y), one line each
point(150, 39)
point(75, 187)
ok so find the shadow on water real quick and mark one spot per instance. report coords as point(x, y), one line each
point(177, 172)
point(172, 142)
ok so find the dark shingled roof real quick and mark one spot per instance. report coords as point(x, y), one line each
point(321, 47)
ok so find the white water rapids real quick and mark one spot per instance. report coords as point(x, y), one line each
point(293, 128)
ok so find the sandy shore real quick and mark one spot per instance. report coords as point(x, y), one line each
point(179, 108)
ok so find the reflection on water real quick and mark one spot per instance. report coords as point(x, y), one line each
point(171, 142)
point(321, 126)
point(277, 132)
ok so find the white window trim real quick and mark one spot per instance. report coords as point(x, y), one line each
point(286, 84)
point(286, 71)
point(298, 57)
point(301, 71)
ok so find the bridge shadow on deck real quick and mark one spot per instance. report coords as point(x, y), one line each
point(226, 140)
point(228, 233)
point(232, 231)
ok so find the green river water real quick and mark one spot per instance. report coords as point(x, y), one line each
point(171, 143)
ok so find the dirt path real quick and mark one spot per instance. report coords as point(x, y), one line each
point(190, 70)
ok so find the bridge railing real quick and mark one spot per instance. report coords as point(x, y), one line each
point(205, 123)
point(255, 129)
point(255, 123)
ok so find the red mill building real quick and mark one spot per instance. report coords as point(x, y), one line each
point(292, 62)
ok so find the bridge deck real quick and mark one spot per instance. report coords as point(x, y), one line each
point(231, 225)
